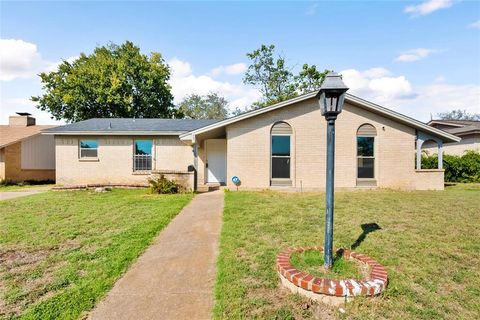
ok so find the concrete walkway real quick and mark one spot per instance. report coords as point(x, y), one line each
point(5, 195)
point(174, 278)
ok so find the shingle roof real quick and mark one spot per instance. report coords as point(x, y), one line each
point(116, 125)
point(13, 134)
point(458, 127)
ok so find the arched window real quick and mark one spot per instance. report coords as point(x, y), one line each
point(281, 154)
point(366, 151)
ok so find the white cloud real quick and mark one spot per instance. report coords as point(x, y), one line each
point(232, 69)
point(427, 7)
point(475, 25)
point(376, 84)
point(414, 54)
point(397, 93)
point(439, 79)
point(21, 59)
point(184, 82)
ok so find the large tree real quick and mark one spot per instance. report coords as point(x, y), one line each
point(309, 79)
point(210, 106)
point(458, 115)
point(113, 81)
point(269, 73)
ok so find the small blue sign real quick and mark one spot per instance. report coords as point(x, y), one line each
point(236, 180)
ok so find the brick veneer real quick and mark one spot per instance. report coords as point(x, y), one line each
point(373, 285)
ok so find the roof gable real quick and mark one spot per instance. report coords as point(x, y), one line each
point(354, 100)
point(13, 134)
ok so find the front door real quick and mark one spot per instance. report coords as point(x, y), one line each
point(216, 160)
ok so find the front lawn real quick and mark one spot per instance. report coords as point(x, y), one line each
point(60, 252)
point(428, 241)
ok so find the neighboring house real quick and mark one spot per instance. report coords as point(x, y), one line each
point(25, 154)
point(468, 130)
point(280, 146)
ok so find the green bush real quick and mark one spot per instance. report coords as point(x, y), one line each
point(162, 185)
point(465, 168)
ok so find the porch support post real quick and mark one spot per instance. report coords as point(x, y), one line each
point(195, 155)
point(440, 154)
point(419, 151)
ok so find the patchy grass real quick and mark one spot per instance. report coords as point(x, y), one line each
point(60, 252)
point(23, 187)
point(427, 240)
point(311, 261)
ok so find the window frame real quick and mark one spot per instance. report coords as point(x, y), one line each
point(134, 157)
point(80, 157)
point(367, 157)
point(366, 182)
point(289, 157)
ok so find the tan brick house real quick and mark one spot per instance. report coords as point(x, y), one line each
point(281, 146)
point(26, 154)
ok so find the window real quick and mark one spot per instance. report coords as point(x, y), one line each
point(281, 157)
point(88, 148)
point(365, 157)
point(281, 154)
point(142, 158)
point(366, 152)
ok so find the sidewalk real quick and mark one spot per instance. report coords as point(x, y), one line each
point(175, 276)
point(5, 195)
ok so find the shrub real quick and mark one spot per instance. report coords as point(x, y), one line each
point(162, 185)
point(465, 168)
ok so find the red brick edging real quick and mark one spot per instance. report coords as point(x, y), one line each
point(374, 284)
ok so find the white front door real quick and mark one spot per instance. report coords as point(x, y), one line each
point(216, 160)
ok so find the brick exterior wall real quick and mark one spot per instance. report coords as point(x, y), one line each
point(248, 149)
point(115, 160)
point(12, 166)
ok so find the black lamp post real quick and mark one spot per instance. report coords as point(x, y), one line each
point(331, 98)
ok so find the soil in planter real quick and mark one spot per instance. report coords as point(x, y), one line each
point(311, 261)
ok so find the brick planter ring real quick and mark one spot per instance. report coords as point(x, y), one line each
point(315, 287)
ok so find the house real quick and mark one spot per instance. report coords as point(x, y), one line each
point(468, 130)
point(280, 146)
point(26, 154)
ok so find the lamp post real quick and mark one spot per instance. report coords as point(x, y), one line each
point(331, 97)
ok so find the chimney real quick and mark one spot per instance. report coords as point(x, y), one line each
point(23, 119)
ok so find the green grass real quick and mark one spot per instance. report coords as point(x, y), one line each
point(60, 252)
point(311, 261)
point(428, 242)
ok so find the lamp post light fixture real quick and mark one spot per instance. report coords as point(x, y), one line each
point(331, 97)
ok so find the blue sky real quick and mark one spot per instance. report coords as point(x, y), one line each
point(417, 57)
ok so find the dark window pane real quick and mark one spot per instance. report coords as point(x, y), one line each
point(88, 144)
point(365, 146)
point(366, 167)
point(143, 147)
point(88, 153)
point(280, 145)
point(280, 167)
